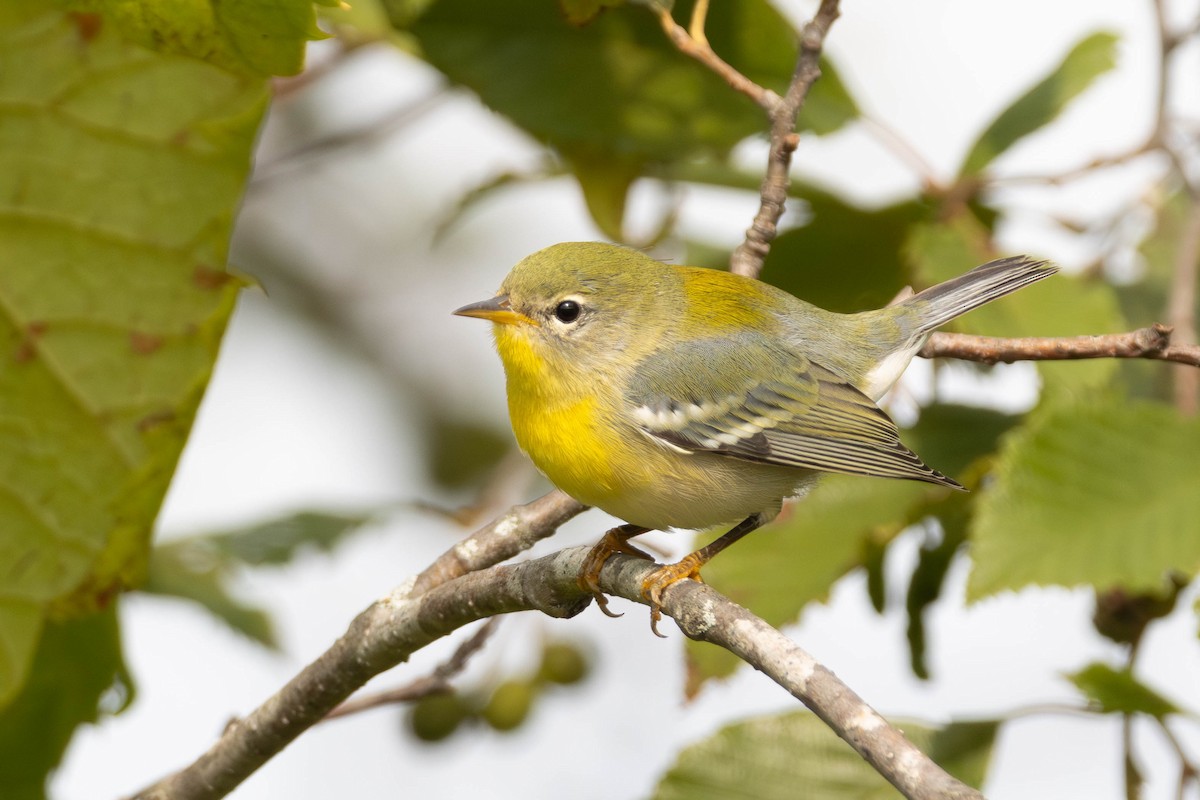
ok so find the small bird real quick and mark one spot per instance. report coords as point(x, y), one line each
point(682, 397)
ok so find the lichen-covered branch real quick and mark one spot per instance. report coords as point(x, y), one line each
point(504, 537)
point(393, 628)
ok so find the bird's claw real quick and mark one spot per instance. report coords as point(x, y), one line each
point(614, 541)
point(664, 577)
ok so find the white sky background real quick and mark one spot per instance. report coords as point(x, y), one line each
point(292, 422)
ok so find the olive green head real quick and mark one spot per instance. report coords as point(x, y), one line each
point(585, 300)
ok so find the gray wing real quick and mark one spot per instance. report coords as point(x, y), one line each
point(753, 400)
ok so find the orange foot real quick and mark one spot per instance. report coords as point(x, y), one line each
point(665, 576)
point(613, 542)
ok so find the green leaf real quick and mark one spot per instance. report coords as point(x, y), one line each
point(120, 171)
point(845, 258)
point(776, 571)
point(615, 97)
point(1102, 495)
point(1116, 691)
point(78, 675)
point(199, 568)
point(796, 755)
point(463, 453)
point(1063, 305)
point(617, 85)
point(1042, 103)
point(255, 37)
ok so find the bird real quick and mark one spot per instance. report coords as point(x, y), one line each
point(676, 397)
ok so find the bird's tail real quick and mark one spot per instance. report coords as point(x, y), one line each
point(939, 304)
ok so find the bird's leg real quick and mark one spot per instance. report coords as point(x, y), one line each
point(614, 541)
point(689, 567)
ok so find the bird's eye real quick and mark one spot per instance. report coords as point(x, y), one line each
point(567, 311)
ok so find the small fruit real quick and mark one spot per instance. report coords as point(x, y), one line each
point(563, 664)
point(509, 704)
point(436, 716)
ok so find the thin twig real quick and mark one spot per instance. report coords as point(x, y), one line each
point(1153, 342)
point(438, 681)
point(1188, 772)
point(373, 131)
point(1133, 774)
point(699, 49)
point(1081, 171)
point(393, 628)
point(748, 258)
point(891, 140)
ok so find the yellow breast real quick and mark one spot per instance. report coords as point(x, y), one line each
point(557, 421)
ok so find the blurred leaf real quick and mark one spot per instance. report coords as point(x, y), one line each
point(78, 674)
point(1101, 495)
point(829, 106)
point(845, 258)
point(581, 12)
point(925, 587)
point(279, 540)
point(1118, 692)
point(605, 183)
point(462, 453)
point(365, 21)
point(952, 437)
point(615, 86)
point(776, 571)
point(1059, 306)
point(256, 37)
point(699, 254)
point(120, 172)
point(172, 574)
point(199, 568)
point(939, 250)
point(872, 559)
point(614, 97)
point(1042, 103)
point(796, 755)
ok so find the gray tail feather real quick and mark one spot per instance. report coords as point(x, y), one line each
point(939, 304)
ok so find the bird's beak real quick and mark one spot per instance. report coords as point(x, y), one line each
point(497, 310)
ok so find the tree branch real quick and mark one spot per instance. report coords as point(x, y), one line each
point(439, 681)
point(391, 629)
point(749, 256)
point(1153, 342)
point(501, 539)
